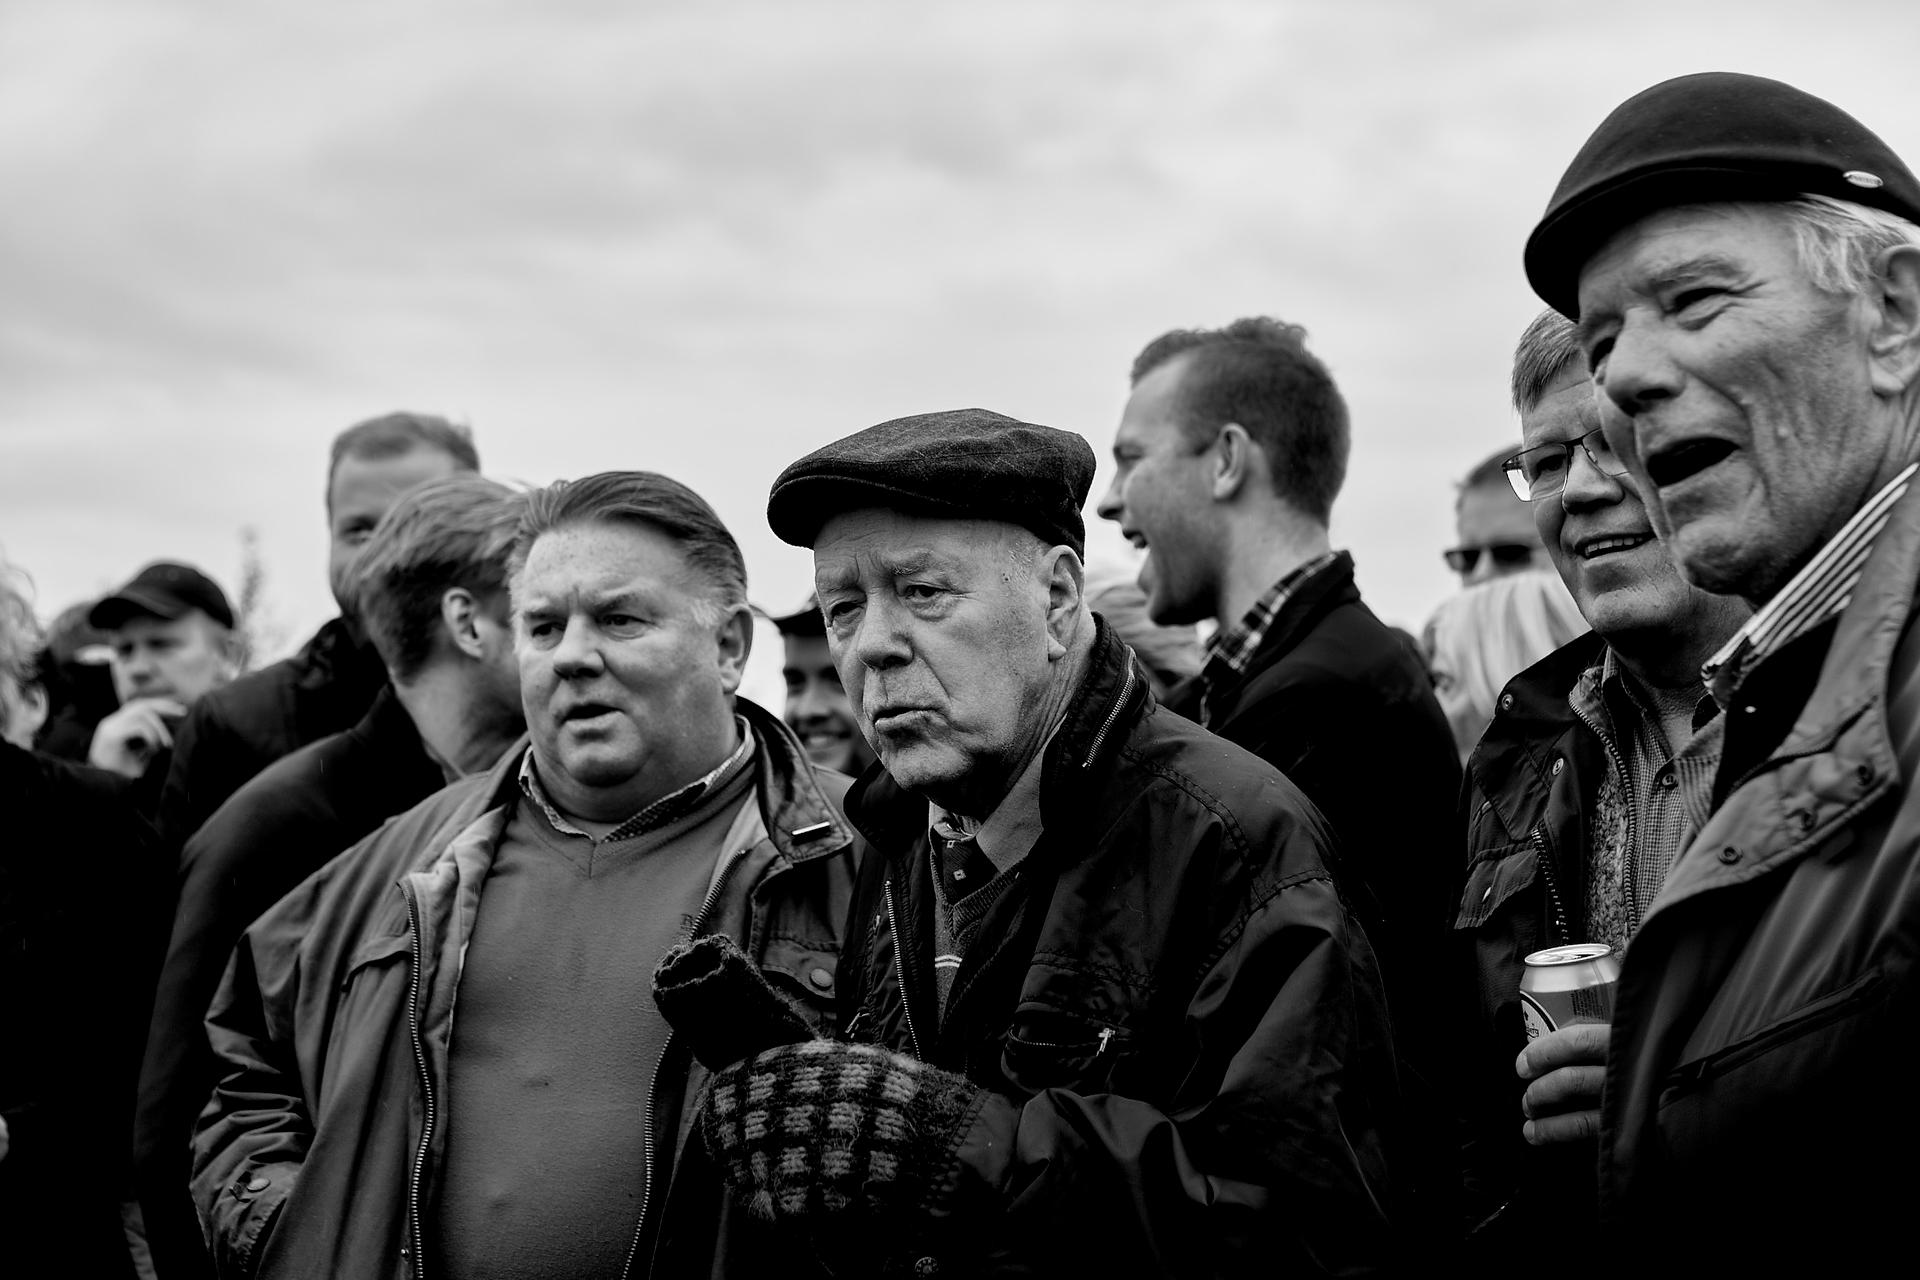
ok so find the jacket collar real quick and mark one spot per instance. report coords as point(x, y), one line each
point(1530, 720)
point(1327, 589)
point(1113, 695)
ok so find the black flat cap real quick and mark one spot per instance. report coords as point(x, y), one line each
point(162, 590)
point(1714, 136)
point(965, 463)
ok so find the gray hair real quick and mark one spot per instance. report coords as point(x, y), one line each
point(1548, 348)
point(20, 636)
point(1839, 243)
point(453, 532)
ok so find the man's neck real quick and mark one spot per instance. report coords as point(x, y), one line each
point(977, 805)
point(1260, 552)
point(452, 721)
point(602, 810)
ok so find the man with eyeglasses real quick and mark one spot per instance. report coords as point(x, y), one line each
point(1574, 802)
point(1496, 534)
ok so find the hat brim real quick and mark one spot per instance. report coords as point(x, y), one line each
point(116, 609)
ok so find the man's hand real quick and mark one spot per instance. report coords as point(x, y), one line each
point(1565, 1068)
point(814, 1129)
point(126, 741)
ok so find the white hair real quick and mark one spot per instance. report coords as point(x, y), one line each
point(1840, 243)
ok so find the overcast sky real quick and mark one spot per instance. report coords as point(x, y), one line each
point(706, 238)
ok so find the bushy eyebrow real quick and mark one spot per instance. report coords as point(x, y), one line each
point(1662, 277)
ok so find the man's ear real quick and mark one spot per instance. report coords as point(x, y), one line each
point(1893, 346)
point(460, 614)
point(1235, 458)
point(1065, 577)
point(734, 639)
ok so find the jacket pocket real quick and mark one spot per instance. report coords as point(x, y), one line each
point(806, 972)
point(379, 951)
point(1781, 1037)
point(1494, 879)
point(1053, 1049)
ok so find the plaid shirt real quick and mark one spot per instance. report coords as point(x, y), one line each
point(656, 815)
point(1230, 649)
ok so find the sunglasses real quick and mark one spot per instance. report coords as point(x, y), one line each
point(1508, 555)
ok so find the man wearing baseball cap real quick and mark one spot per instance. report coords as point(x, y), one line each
point(1743, 262)
point(171, 630)
point(1102, 1008)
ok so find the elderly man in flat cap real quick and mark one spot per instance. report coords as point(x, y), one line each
point(1743, 262)
point(1103, 1008)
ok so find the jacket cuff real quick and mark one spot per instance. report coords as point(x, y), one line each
point(242, 1217)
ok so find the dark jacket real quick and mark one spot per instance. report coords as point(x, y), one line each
point(276, 831)
point(1182, 1027)
point(77, 877)
point(1759, 1109)
point(237, 730)
point(1531, 784)
point(320, 1152)
point(1336, 700)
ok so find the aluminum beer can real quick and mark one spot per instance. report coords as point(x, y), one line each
point(1565, 985)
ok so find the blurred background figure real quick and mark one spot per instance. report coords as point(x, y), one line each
point(1490, 633)
point(23, 696)
point(817, 709)
point(1170, 654)
point(76, 668)
point(170, 632)
point(1494, 529)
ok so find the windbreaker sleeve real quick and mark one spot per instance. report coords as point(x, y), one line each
point(255, 1132)
point(1269, 1157)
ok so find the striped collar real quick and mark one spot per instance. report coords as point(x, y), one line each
point(660, 812)
point(1811, 596)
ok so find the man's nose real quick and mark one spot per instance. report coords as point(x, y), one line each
point(1110, 502)
point(1639, 370)
point(814, 703)
point(578, 653)
point(879, 640)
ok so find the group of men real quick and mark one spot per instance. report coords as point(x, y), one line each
point(507, 940)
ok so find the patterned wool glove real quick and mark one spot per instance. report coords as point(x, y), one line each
point(821, 1128)
point(716, 998)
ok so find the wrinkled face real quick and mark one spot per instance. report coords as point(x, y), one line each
point(1738, 393)
point(1162, 499)
point(818, 709)
point(939, 629)
point(627, 671)
point(1496, 531)
point(361, 492)
point(179, 658)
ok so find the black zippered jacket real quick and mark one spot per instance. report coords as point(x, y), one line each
point(1531, 783)
point(1180, 1025)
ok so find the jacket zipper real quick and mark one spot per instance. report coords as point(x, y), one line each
point(653, 1086)
point(426, 1089)
point(1633, 839)
point(1554, 902)
point(900, 974)
point(1126, 687)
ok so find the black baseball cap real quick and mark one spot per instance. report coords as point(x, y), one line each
point(1698, 139)
point(166, 590)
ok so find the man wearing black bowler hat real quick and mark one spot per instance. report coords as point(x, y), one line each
point(1743, 262)
point(1103, 1008)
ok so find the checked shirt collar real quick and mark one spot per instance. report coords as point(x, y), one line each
point(658, 814)
point(1230, 649)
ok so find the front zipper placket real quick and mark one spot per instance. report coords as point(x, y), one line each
point(426, 1090)
point(1554, 902)
point(653, 1087)
point(900, 971)
point(1113, 715)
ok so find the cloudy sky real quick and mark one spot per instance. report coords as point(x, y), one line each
point(707, 238)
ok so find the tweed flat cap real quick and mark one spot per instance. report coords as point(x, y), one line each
point(1714, 136)
point(966, 463)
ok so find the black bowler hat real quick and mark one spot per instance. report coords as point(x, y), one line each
point(964, 463)
point(1710, 137)
point(163, 590)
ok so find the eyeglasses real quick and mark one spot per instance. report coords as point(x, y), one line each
point(1508, 555)
point(1541, 472)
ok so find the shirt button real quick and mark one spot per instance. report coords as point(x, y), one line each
point(257, 1184)
point(1865, 774)
point(1559, 763)
point(1667, 780)
point(1729, 855)
point(820, 978)
point(927, 1267)
point(1506, 702)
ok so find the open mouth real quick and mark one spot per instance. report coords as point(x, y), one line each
point(1594, 548)
point(1689, 458)
point(586, 711)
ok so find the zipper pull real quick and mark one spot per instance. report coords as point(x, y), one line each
point(1106, 1038)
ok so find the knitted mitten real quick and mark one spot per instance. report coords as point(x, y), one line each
point(715, 997)
point(819, 1128)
